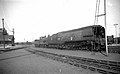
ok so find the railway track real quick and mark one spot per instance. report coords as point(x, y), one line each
point(100, 66)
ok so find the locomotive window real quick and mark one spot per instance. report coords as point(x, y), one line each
point(103, 32)
point(51, 38)
point(71, 38)
point(44, 41)
point(99, 31)
point(80, 33)
point(58, 38)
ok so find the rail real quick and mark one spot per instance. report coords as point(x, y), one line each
point(100, 66)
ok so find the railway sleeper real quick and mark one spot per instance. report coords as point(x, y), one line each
point(92, 69)
point(83, 66)
point(95, 65)
point(104, 69)
point(112, 63)
point(105, 66)
point(118, 63)
point(115, 68)
point(101, 71)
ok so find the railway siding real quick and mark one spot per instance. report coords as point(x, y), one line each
point(114, 49)
point(100, 66)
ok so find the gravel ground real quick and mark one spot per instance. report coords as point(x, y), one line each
point(99, 56)
point(23, 62)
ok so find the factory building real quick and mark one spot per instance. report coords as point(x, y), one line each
point(119, 30)
point(6, 38)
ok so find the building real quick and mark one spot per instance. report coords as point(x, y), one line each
point(1, 32)
point(7, 39)
point(119, 30)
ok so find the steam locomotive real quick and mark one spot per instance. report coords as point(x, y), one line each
point(85, 38)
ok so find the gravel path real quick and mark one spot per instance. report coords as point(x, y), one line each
point(23, 62)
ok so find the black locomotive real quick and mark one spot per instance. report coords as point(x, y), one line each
point(85, 38)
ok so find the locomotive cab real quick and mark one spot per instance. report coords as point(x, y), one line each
point(99, 36)
point(99, 31)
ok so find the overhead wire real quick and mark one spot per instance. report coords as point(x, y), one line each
point(4, 16)
point(7, 27)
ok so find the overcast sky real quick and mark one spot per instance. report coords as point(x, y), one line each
point(34, 18)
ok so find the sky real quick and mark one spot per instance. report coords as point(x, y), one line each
point(32, 19)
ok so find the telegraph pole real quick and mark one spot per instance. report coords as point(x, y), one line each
point(105, 27)
point(96, 18)
point(3, 33)
point(13, 32)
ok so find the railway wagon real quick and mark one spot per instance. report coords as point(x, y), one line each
point(36, 43)
point(53, 41)
point(85, 38)
point(42, 42)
